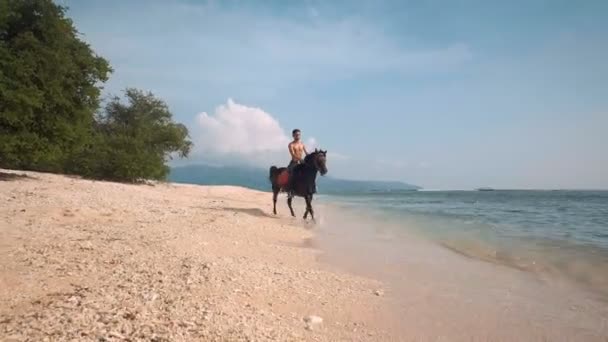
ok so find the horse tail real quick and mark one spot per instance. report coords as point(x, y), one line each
point(273, 171)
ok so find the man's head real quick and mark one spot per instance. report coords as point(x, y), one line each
point(296, 134)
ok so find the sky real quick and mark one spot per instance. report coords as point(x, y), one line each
point(442, 94)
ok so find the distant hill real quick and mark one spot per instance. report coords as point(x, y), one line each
point(258, 179)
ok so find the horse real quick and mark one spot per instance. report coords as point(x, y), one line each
point(303, 183)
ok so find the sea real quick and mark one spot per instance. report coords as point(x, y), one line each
point(548, 233)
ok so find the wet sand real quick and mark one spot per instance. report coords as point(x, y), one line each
point(440, 294)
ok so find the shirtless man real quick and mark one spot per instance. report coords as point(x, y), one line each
point(297, 150)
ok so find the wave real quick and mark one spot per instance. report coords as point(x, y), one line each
point(583, 265)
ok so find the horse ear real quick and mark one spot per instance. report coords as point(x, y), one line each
point(316, 150)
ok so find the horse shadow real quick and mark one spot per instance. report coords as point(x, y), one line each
point(256, 212)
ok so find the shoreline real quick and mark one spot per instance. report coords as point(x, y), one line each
point(577, 262)
point(190, 262)
point(437, 292)
point(85, 260)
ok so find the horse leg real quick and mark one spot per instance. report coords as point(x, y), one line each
point(275, 193)
point(308, 199)
point(289, 199)
point(307, 207)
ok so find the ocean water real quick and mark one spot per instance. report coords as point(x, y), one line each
point(550, 233)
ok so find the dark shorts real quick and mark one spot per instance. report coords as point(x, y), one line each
point(291, 165)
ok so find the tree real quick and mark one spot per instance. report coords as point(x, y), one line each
point(135, 140)
point(49, 86)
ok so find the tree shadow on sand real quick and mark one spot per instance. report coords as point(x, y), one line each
point(6, 177)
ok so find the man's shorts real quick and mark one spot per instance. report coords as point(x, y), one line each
point(292, 165)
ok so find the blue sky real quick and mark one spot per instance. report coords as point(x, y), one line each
point(443, 94)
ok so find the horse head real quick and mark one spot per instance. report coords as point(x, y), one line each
point(318, 160)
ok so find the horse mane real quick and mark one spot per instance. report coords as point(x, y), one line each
point(311, 155)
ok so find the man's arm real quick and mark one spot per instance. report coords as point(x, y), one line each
point(304, 148)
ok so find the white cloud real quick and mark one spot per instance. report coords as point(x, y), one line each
point(239, 134)
point(242, 134)
point(238, 129)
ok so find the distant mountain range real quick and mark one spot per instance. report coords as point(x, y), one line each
point(258, 179)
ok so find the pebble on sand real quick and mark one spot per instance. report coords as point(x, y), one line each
point(312, 321)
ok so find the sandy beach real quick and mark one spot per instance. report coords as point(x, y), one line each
point(85, 260)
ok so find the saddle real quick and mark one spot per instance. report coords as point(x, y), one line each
point(283, 179)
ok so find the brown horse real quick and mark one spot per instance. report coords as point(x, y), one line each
point(302, 183)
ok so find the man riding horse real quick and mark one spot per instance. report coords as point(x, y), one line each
point(299, 178)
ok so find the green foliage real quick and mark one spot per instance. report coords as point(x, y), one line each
point(135, 140)
point(49, 86)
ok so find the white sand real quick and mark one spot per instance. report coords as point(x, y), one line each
point(83, 260)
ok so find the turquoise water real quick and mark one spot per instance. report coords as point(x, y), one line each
point(562, 233)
